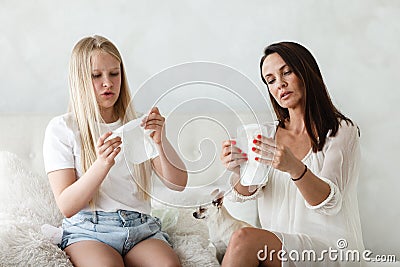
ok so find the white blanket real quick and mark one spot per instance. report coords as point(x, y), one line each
point(27, 202)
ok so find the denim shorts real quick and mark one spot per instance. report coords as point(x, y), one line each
point(121, 230)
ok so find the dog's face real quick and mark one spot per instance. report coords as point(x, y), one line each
point(201, 213)
point(204, 212)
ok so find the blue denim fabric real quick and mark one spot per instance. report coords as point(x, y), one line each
point(121, 230)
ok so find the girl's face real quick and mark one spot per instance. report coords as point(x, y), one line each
point(106, 79)
point(283, 83)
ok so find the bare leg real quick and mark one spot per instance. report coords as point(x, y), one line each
point(245, 246)
point(93, 253)
point(152, 252)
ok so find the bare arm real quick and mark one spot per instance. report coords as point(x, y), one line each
point(313, 189)
point(72, 194)
point(168, 165)
point(170, 168)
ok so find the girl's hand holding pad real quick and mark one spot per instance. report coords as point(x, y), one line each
point(108, 150)
point(154, 121)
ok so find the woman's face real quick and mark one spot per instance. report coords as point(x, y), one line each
point(106, 79)
point(283, 83)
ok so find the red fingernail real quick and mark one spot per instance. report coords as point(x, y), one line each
point(253, 148)
point(256, 158)
point(244, 154)
point(259, 136)
point(246, 159)
point(240, 151)
point(255, 141)
point(233, 142)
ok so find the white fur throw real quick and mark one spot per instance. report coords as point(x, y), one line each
point(26, 203)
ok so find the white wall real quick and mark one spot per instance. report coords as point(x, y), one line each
point(355, 42)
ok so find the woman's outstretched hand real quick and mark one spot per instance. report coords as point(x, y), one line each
point(154, 121)
point(232, 156)
point(278, 156)
point(108, 150)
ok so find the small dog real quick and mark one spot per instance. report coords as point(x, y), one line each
point(220, 222)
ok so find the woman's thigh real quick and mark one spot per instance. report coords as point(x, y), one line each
point(151, 252)
point(93, 253)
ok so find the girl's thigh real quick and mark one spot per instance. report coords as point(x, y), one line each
point(93, 253)
point(151, 252)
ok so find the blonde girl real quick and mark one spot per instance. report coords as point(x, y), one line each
point(105, 204)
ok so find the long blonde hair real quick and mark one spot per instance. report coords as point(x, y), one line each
point(84, 106)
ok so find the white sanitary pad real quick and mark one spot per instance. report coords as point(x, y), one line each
point(252, 172)
point(137, 145)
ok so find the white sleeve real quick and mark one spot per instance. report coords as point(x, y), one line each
point(341, 162)
point(235, 196)
point(58, 146)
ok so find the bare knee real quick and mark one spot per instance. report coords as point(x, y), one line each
point(243, 234)
point(250, 239)
point(240, 239)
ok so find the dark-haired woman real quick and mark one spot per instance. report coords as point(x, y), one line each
point(308, 209)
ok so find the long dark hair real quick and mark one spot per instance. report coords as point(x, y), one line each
point(320, 114)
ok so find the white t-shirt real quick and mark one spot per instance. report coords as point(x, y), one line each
point(62, 150)
point(300, 226)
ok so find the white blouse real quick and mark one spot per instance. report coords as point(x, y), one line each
point(334, 224)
